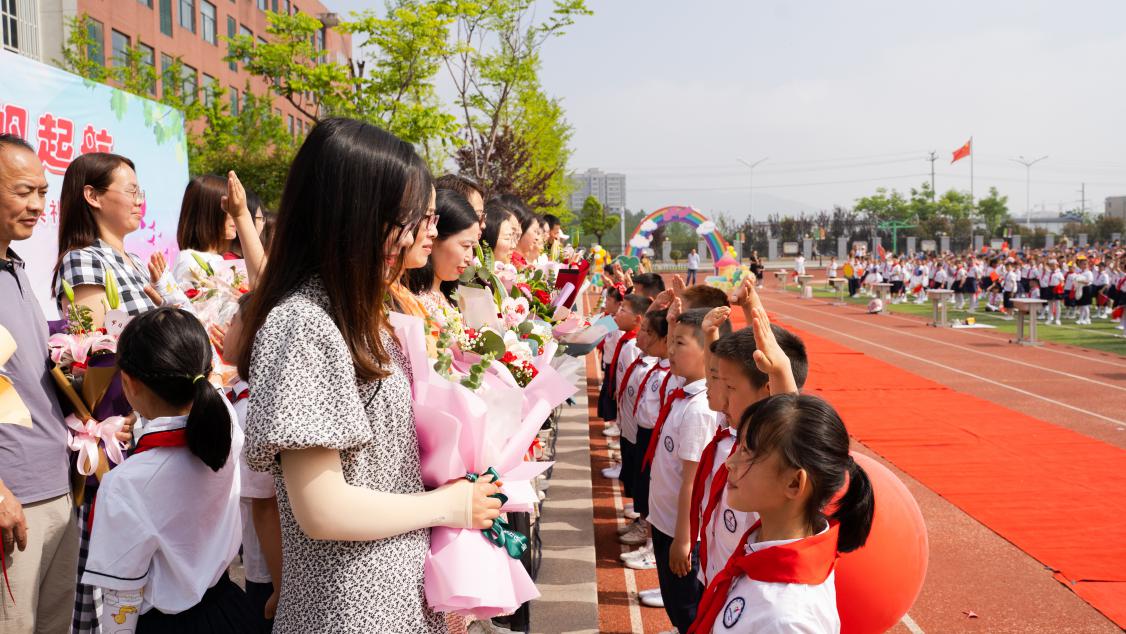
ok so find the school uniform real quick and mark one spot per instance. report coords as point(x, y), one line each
point(682, 431)
point(627, 419)
point(1009, 286)
point(1083, 289)
point(607, 401)
point(165, 527)
point(646, 408)
point(756, 591)
point(254, 485)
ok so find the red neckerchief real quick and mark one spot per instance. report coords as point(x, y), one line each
point(166, 438)
point(655, 439)
point(612, 373)
point(665, 385)
point(715, 494)
point(628, 374)
point(235, 398)
point(707, 458)
point(644, 382)
point(807, 561)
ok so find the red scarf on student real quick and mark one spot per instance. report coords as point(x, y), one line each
point(655, 440)
point(807, 561)
point(703, 473)
point(644, 382)
point(167, 438)
point(629, 372)
point(612, 373)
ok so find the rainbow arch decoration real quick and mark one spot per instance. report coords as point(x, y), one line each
point(678, 213)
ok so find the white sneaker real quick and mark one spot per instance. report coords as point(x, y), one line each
point(636, 537)
point(650, 592)
point(645, 562)
point(612, 472)
point(625, 528)
point(612, 431)
point(628, 507)
point(653, 600)
point(615, 445)
point(1058, 323)
point(631, 514)
point(636, 554)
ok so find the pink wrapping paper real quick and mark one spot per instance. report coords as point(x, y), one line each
point(457, 434)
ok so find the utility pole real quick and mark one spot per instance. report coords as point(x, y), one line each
point(932, 158)
point(1028, 185)
point(1082, 197)
point(751, 182)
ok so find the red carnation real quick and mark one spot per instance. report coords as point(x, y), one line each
point(508, 357)
point(543, 297)
point(192, 293)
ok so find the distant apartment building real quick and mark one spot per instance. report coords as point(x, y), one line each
point(609, 189)
point(163, 30)
point(1116, 207)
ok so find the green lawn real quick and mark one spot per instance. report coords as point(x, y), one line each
point(1100, 335)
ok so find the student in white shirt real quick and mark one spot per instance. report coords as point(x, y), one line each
point(792, 458)
point(1055, 289)
point(1083, 293)
point(681, 433)
point(167, 522)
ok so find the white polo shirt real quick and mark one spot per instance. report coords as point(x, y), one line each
point(627, 422)
point(255, 485)
point(726, 526)
point(777, 608)
point(689, 427)
point(166, 524)
point(609, 344)
point(649, 407)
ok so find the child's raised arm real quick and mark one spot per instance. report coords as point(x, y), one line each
point(769, 356)
point(746, 297)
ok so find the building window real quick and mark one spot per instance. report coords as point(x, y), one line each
point(264, 5)
point(168, 82)
point(189, 83)
point(232, 28)
point(147, 3)
point(8, 17)
point(119, 45)
point(207, 21)
point(97, 34)
point(234, 100)
point(285, 7)
point(290, 125)
point(148, 58)
point(166, 17)
point(208, 90)
point(187, 15)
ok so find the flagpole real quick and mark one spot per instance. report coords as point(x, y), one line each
point(972, 204)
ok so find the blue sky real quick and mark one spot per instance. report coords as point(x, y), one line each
point(843, 97)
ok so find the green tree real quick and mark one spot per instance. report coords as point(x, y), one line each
point(254, 142)
point(955, 205)
point(993, 211)
point(595, 220)
point(922, 204)
point(884, 206)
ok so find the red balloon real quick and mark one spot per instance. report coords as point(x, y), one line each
point(878, 583)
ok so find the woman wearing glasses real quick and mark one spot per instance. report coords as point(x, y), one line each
point(100, 204)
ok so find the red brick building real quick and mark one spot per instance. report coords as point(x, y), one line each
point(166, 29)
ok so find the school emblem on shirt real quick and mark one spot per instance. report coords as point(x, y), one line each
point(632, 390)
point(668, 443)
point(729, 521)
point(733, 611)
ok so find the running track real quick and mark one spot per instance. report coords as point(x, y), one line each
point(972, 570)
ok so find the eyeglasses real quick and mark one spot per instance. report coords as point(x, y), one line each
point(137, 194)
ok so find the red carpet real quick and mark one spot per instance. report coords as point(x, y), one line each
point(1055, 494)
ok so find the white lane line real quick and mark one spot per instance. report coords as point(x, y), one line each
point(962, 372)
point(911, 624)
point(991, 355)
point(635, 624)
point(1052, 350)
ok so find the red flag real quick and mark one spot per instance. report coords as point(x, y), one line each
point(963, 151)
point(880, 250)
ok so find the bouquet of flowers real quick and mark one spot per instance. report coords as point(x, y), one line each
point(85, 370)
point(213, 297)
point(469, 423)
point(516, 349)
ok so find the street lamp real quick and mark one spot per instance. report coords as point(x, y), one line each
point(1028, 185)
point(751, 182)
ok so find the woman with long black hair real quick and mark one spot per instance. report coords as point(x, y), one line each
point(330, 412)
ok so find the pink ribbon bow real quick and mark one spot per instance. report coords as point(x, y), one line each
point(84, 437)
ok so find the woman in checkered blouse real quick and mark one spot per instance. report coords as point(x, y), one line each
point(100, 204)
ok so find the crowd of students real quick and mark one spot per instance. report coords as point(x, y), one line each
point(728, 467)
point(304, 461)
point(1079, 284)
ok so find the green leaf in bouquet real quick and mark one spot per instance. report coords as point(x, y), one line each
point(524, 328)
point(489, 342)
point(468, 275)
point(68, 290)
point(203, 264)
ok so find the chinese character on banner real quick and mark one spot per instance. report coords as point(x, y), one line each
point(13, 120)
point(56, 142)
point(96, 141)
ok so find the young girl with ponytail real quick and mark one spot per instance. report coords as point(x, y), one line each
point(792, 461)
point(167, 520)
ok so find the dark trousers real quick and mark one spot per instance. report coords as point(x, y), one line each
point(853, 286)
point(628, 474)
point(690, 278)
point(680, 594)
point(258, 594)
point(641, 475)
